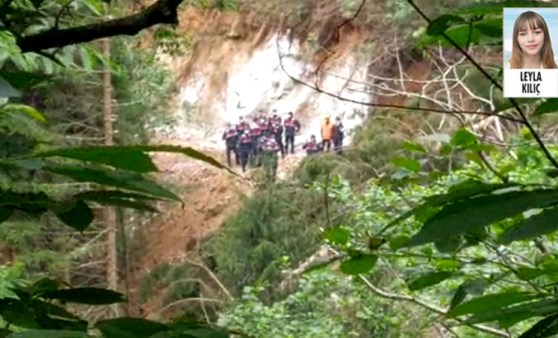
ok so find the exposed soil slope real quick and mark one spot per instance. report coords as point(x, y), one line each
point(210, 196)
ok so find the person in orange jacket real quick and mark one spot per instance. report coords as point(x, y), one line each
point(327, 133)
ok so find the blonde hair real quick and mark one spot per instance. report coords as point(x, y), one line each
point(533, 21)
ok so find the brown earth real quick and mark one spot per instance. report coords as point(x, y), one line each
point(210, 196)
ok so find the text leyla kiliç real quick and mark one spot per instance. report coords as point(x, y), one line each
point(530, 82)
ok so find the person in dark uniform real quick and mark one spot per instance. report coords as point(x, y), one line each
point(292, 126)
point(245, 144)
point(230, 136)
point(264, 126)
point(277, 133)
point(338, 135)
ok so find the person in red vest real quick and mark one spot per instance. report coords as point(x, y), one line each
point(312, 146)
point(274, 118)
point(242, 126)
point(292, 126)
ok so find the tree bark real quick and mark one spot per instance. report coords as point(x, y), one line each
point(109, 213)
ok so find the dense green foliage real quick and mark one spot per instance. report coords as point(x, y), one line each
point(272, 222)
point(55, 178)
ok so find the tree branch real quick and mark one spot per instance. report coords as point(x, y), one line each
point(162, 11)
point(526, 121)
point(387, 295)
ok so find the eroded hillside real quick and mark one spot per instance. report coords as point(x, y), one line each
point(238, 64)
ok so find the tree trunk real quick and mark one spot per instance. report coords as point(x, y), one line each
point(109, 213)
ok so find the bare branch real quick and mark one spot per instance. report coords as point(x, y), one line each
point(520, 111)
point(161, 12)
point(337, 30)
point(188, 300)
point(211, 274)
point(380, 105)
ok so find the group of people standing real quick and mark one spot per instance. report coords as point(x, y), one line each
point(260, 142)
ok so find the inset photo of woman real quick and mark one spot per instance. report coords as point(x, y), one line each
point(529, 38)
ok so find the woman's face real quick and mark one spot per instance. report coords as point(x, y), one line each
point(531, 40)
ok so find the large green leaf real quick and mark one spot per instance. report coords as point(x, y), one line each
point(471, 287)
point(205, 333)
point(118, 198)
point(429, 279)
point(414, 147)
point(49, 334)
point(113, 178)
point(543, 223)
point(358, 264)
point(5, 213)
point(491, 302)
point(50, 316)
point(123, 158)
point(78, 217)
point(449, 245)
point(192, 329)
point(546, 327)
point(465, 189)
point(129, 157)
point(132, 327)
point(32, 203)
point(6, 89)
point(471, 214)
point(516, 313)
point(17, 313)
point(407, 163)
point(188, 151)
point(22, 80)
point(548, 106)
point(43, 285)
point(59, 312)
point(91, 296)
point(466, 34)
point(458, 297)
point(12, 108)
point(337, 235)
point(463, 138)
point(441, 23)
